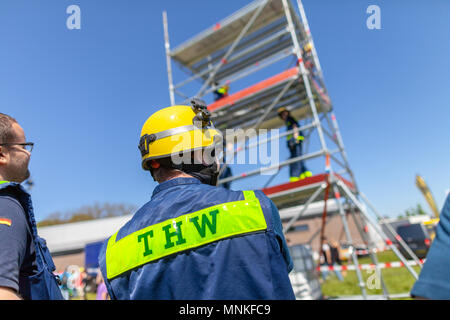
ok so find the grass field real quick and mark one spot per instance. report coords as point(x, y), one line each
point(397, 280)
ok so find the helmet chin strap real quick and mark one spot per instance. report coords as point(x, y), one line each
point(207, 174)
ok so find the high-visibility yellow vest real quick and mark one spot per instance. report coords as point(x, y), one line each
point(185, 232)
point(223, 90)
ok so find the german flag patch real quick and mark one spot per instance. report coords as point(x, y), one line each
point(5, 221)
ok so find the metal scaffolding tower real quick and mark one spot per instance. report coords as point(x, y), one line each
point(255, 38)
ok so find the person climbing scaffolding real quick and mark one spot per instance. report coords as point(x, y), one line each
point(297, 170)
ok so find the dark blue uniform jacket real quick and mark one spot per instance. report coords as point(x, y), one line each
point(250, 266)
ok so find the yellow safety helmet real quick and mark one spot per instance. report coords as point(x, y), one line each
point(175, 130)
point(281, 110)
point(308, 47)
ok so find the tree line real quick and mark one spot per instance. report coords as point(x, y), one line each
point(89, 212)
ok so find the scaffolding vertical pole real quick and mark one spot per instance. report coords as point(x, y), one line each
point(350, 242)
point(310, 38)
point(168, 58)
point(298, 52)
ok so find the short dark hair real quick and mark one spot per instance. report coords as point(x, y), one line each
point(6, 131)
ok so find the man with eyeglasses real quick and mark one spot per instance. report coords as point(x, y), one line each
point(26, 267)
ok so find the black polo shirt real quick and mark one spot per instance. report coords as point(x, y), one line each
point(17, 253)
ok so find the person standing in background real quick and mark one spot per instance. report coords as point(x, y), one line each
point(335, 259)
point(102, 292)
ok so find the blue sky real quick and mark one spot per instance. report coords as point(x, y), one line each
point(83, 95)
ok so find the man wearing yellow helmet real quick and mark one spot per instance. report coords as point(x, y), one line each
point(193, 240)
point(181, 138)
point(297, 170)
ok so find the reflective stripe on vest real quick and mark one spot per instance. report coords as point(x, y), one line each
point(290, 136)
point(185, 232)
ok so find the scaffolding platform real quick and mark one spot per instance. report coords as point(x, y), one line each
point(245, 42)
point(206, 47)
point(243, 108)
point(297, 193)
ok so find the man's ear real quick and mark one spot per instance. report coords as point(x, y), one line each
point(3, 156)
point(155, 164)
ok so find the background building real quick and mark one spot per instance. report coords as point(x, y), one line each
point(78, 243)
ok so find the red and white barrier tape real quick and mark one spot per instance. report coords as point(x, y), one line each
point(375, 250)
point(394, 264)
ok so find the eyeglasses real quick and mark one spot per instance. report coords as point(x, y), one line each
point(26, 145)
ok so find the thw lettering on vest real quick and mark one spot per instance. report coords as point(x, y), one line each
point(146, 236)
point(205, 222)
point(177, 233)
point(173, 232)
point(188, 231)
